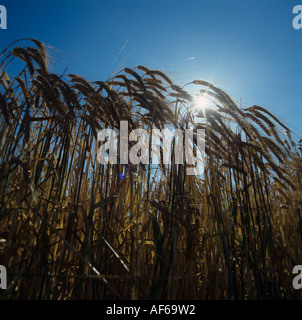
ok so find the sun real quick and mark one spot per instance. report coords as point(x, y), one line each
point(201, 102)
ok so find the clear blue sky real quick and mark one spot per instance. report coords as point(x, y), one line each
point(248, 48)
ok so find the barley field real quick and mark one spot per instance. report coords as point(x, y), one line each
point(72, 228)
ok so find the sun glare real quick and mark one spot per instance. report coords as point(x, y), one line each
point(201, 102)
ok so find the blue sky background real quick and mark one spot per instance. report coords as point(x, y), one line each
point(247, 48)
